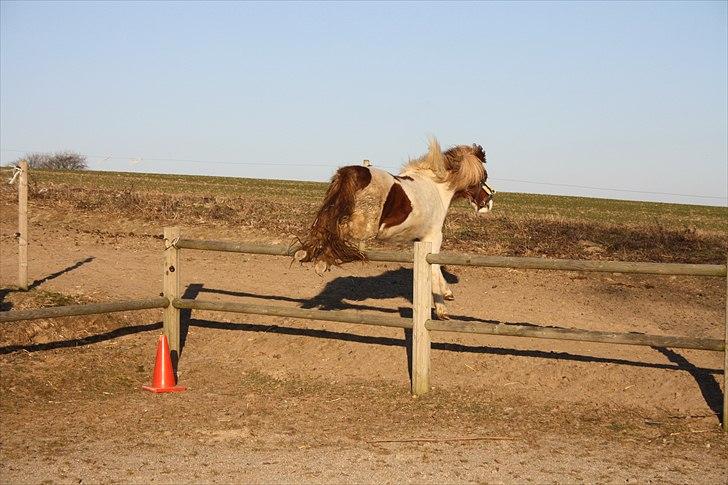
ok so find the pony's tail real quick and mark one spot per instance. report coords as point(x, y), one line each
point(325, 244)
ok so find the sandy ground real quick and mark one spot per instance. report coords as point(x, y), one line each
point(284, 400)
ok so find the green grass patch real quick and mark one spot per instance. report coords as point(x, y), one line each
point(521, 224)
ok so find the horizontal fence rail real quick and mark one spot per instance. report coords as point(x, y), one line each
point(478, 260)
point(282, 250)
point(232, 247)
point(89, 309)
point(307, 314)
point(576, 334)
point(578, 265)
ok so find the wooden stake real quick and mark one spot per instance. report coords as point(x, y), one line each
point(171, 290)
point(421, 312)
point(446, 440)
point(23, 226)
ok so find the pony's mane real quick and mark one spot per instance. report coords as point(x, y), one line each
point(460, 167)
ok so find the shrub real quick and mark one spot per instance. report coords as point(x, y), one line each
point(56, 161)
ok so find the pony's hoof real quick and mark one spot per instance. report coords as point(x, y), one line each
point(449, 296)
point(300, 255)
point(441, 313)
point(321, 267)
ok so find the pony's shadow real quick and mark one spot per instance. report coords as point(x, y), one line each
point(395, 283)
point(4, 292)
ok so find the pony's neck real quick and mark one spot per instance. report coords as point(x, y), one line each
point(446, 195)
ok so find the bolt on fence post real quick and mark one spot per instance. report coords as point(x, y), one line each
point(421, 312)
point(23, 226)
point(171, 323)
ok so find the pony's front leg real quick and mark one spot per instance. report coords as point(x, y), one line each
point(439, 287)
point(438, 293)
point(446, 291)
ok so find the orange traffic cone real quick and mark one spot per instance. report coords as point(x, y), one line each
point(163, 379)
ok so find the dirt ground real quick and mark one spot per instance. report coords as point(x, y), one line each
point(284, 400)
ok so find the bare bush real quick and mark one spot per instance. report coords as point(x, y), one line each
point(66, 160)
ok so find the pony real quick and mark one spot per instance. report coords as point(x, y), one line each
point(364, 203)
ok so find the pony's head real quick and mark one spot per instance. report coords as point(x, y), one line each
point(480, 197)
point(477, 191)
point(462, 168)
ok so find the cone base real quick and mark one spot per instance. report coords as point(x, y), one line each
point(158, 390)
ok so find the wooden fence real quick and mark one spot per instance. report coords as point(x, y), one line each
point(420, 323)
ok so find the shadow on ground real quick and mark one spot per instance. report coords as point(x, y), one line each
point(77, 342)
point(4, 292)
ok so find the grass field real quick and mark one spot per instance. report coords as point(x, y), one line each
point(521, 224)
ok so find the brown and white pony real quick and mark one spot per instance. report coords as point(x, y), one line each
point(367, 203)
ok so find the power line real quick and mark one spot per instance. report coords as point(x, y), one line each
point(334, 164)
point(613, 190)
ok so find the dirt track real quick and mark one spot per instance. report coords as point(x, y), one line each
point(275, 399)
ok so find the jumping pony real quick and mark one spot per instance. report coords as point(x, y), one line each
point(364, 203)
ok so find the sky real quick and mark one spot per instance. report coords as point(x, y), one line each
point(566, 98)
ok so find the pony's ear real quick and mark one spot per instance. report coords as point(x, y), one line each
point(479, 152)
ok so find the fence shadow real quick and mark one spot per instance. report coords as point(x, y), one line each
point(77, 342)
point(708, 384)
point(185, 315)
point(6, 305)
point(683, 365)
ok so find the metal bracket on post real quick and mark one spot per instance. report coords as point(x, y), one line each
point(171, 323)
point(421, 312)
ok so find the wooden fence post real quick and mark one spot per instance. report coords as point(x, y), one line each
point(725, 358)
point(171, 291)
point(23, 226)
point(421, 312)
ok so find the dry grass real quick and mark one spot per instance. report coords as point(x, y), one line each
point(521, 224)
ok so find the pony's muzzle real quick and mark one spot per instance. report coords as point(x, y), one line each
point(486, 208)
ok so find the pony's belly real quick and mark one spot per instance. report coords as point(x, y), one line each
point(399, 234)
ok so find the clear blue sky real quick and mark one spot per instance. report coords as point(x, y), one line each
point(622, 95)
